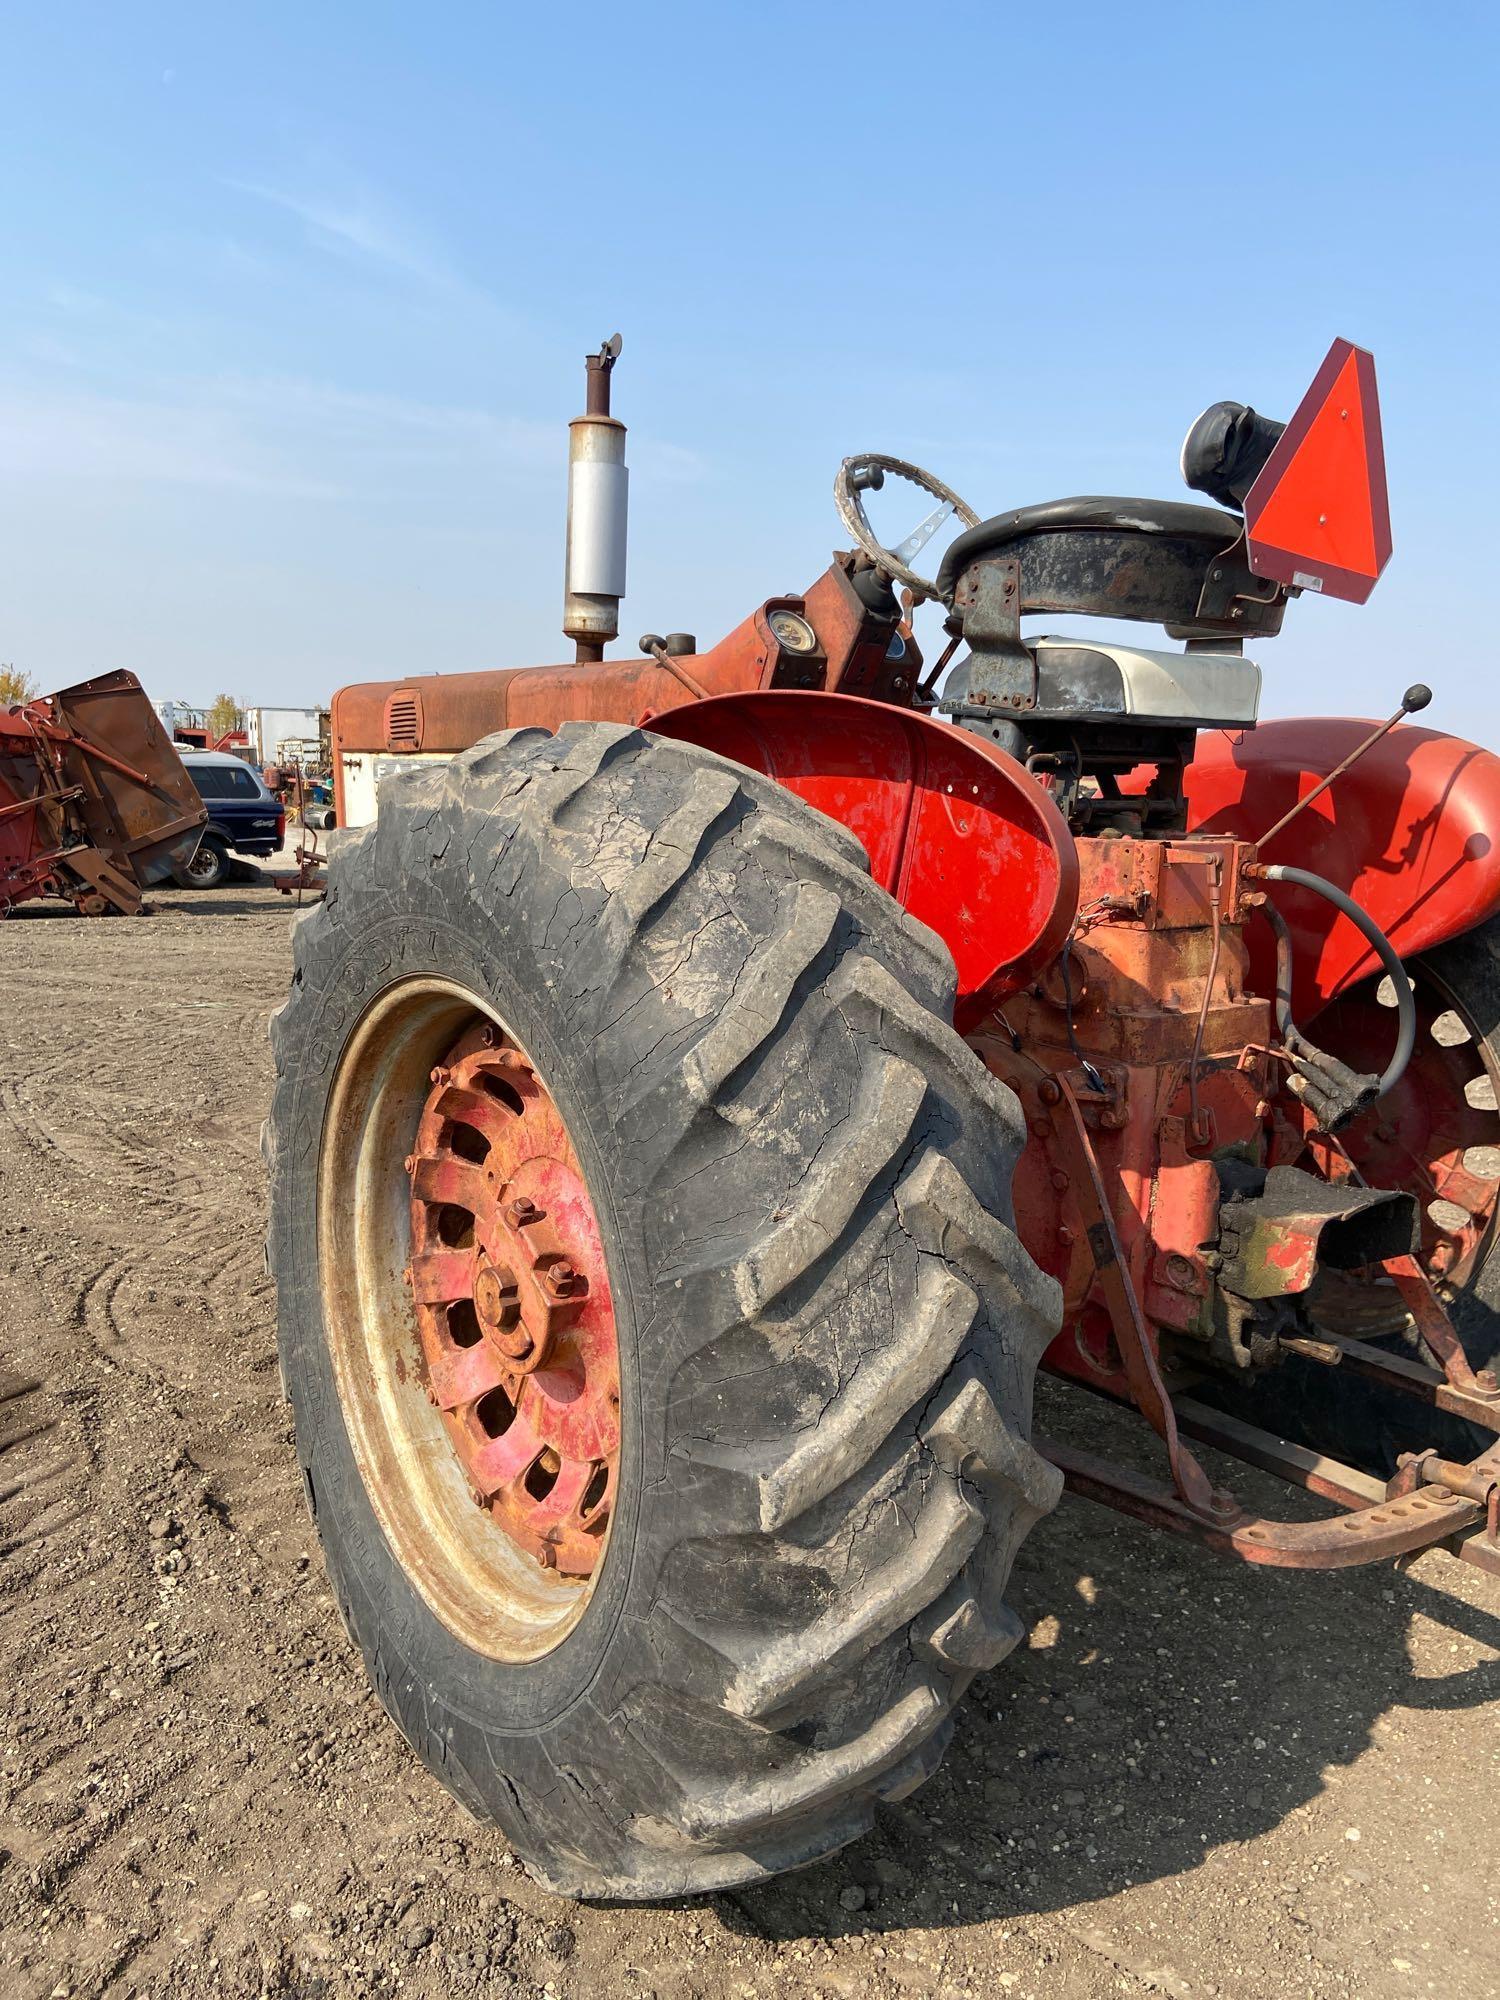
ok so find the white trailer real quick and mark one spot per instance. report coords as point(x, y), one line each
point(285, 735)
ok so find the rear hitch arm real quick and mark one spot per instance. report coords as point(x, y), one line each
point(1431, 1503)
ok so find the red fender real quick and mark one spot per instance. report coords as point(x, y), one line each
point(957, 831)
point(1412, 833)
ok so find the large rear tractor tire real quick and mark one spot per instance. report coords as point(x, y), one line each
point(658, 1337)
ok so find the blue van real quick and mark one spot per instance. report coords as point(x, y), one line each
point(243, 814)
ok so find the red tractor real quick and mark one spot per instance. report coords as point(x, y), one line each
point(716, 1081)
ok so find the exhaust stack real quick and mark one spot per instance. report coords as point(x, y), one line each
point(597, 489)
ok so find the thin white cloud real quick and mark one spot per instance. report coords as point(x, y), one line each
point(357, 226)
point(104, 441)
point(275, 435)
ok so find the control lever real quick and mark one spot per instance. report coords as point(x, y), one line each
point(1416, 697)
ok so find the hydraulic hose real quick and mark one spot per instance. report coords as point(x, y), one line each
point(1374, 936)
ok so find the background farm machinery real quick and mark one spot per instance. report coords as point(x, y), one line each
point(95, 805)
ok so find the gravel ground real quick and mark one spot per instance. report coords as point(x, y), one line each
point(1195, 1780)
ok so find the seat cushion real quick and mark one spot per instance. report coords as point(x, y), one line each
point(1178, 521)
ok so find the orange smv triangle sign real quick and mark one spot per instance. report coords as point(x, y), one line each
point(1317, 517)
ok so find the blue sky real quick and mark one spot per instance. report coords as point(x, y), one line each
point(295, 300)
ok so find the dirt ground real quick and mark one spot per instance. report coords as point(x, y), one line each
point(1196, 1780)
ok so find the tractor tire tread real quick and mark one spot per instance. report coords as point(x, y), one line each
point(843, 1372)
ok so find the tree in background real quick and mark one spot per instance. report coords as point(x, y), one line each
point(14, 685)
point(224, 714)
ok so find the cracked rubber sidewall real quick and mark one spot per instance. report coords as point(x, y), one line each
point(668, 1743)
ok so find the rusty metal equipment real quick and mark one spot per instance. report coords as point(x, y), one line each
point(308, 878)
point(1236, 1119)
point(517, 1326)
point(1086, 828)
point(95, 804)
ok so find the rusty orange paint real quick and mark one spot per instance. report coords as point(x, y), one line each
point(449, 712)
point(1140, 971)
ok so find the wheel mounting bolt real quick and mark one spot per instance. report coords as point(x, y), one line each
point(560, 1277)
point(410, 1163)
point(547, 1557)
point(441, 1075)
point(521, 1211)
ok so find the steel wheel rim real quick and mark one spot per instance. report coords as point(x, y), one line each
point(414, 1367)
point(204, 864)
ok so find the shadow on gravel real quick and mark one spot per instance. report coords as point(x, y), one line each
point(238, 899)
point(234, 901)
point(1169, 1702)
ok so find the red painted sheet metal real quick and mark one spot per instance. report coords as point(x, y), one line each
point(957, 831)
point(1412, 833)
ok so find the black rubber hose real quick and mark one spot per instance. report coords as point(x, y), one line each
point(1286, 1027)
point(1379, 943)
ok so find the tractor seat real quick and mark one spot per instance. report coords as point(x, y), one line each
point(1101, 555)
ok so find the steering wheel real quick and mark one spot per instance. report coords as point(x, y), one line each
point(865, 474)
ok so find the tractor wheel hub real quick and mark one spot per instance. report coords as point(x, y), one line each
point(513, 1303)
